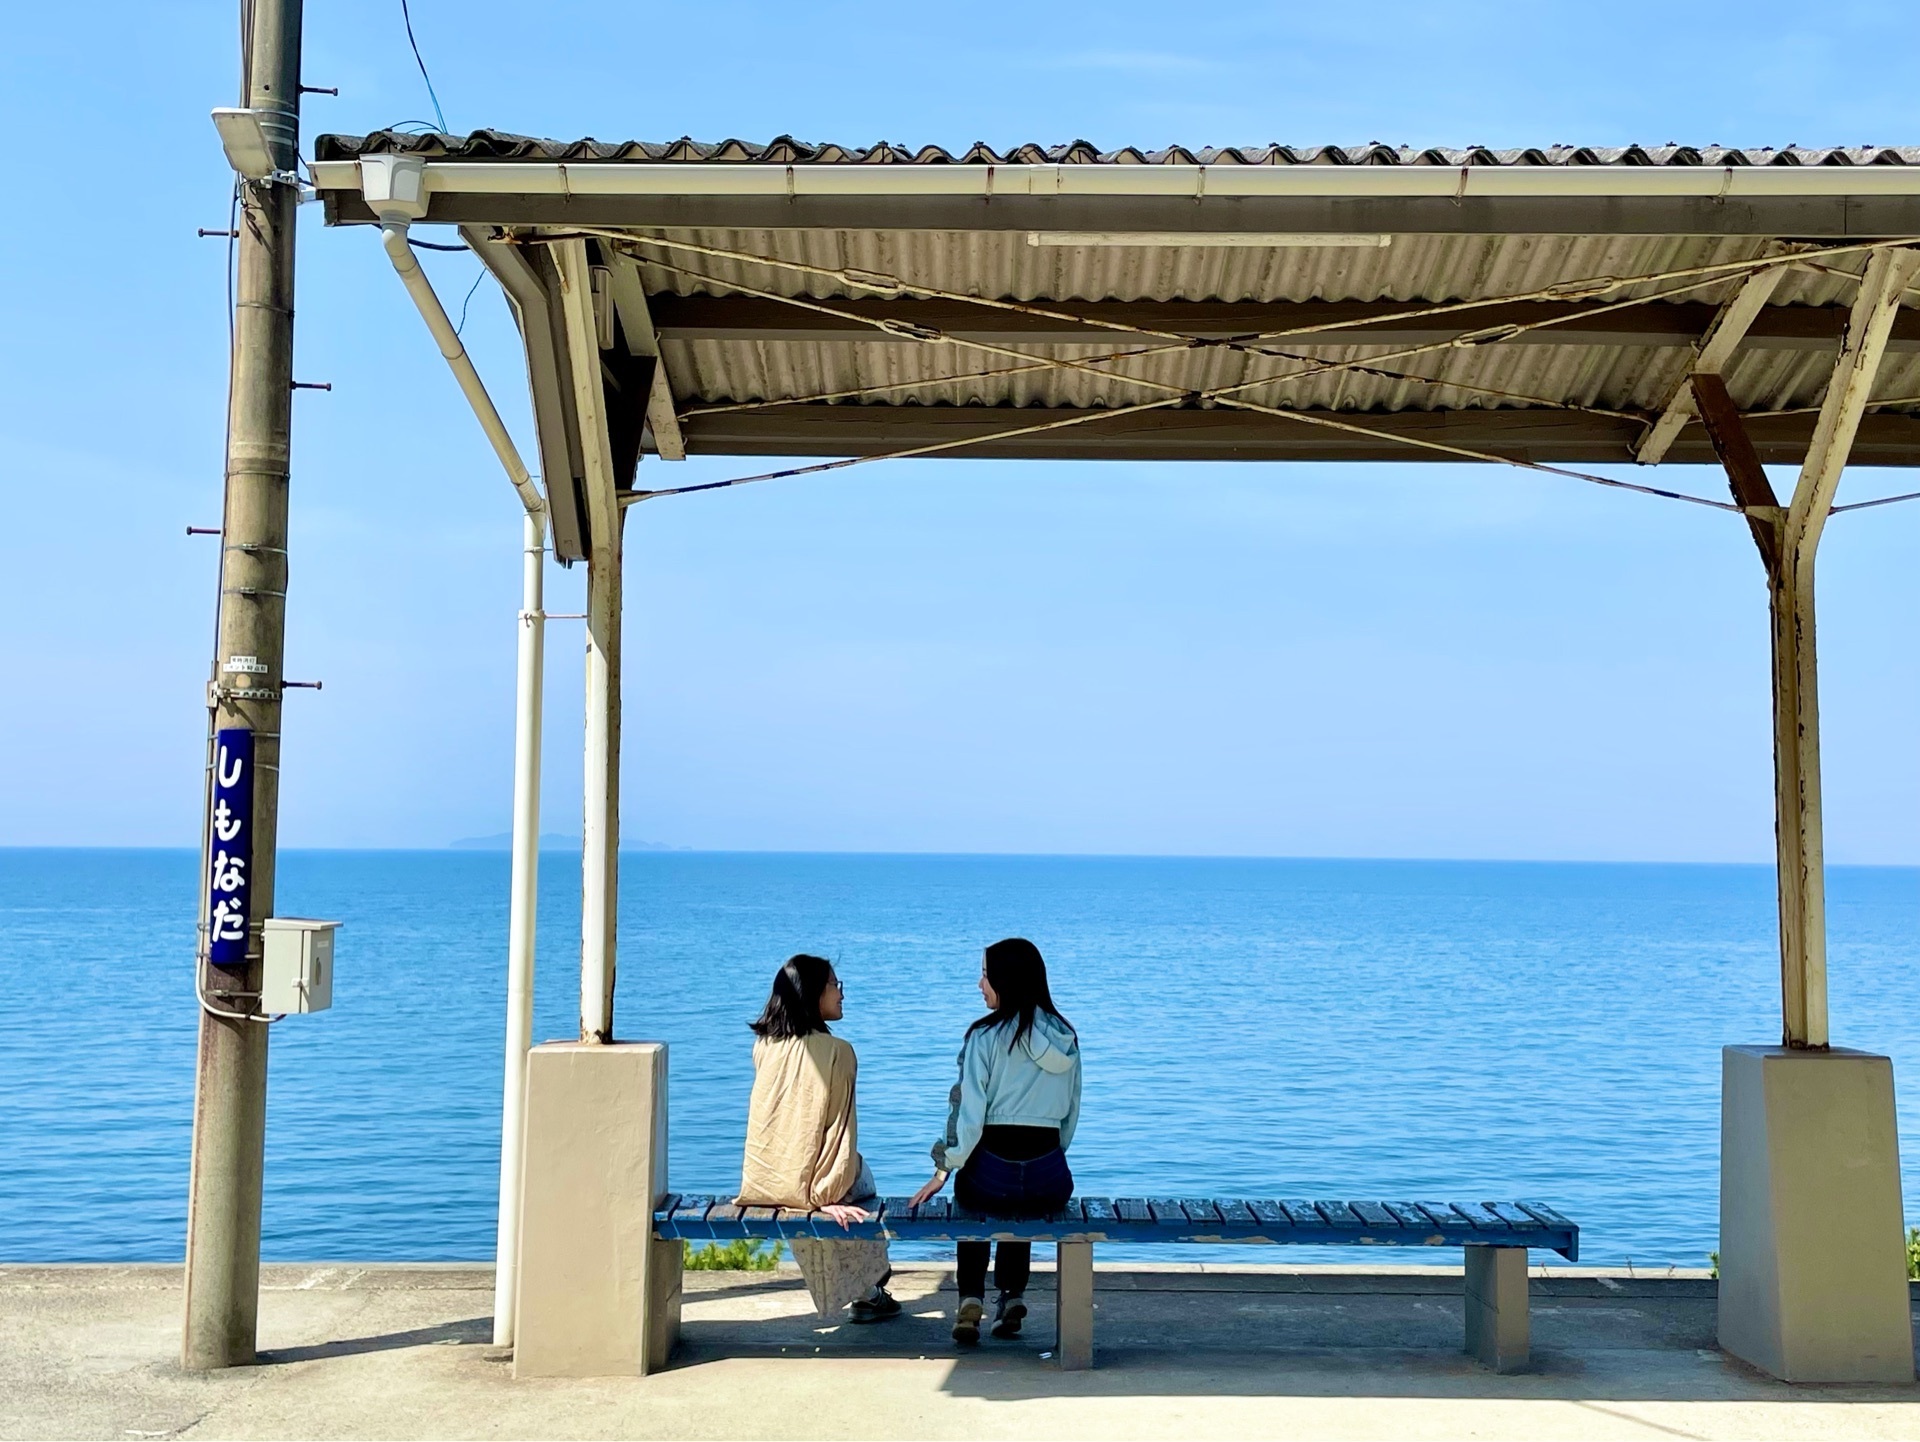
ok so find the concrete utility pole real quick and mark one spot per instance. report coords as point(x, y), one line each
point(230, 1085)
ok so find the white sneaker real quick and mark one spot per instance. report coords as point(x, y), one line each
point(966, 1323)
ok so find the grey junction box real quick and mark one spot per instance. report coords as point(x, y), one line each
point(296, 964)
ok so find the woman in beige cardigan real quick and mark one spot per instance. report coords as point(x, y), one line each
point(803, 1138)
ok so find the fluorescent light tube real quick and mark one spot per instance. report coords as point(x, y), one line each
point(1246, 239)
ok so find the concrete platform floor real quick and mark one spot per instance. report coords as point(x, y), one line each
point(404, 1352)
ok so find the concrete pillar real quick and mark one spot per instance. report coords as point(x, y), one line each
point(598, 1296)
point(1813, 1265)
point(1073, 1314)
point(1499, 1332)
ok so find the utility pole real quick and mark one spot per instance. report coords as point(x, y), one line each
point(230, 1084)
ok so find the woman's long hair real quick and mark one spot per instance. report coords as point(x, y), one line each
point(794, 1008)
point(1018, 975)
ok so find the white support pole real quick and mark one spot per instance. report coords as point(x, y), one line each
point(522, 917)
point(600, 830)
point(530, 683)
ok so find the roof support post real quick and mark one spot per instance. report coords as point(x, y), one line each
point(1716, 348)
point(600, 833)
point(1788, 540)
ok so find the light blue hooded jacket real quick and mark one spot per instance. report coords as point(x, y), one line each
point(1033, 1084)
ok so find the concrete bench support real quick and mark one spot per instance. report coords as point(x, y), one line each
point(599, 1294)
point(1496, 1298)
point(1073, 1316)
point(1813, 1254)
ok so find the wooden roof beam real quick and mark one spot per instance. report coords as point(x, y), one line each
point(642, 339)
point(1226, 434)
point(757, 320)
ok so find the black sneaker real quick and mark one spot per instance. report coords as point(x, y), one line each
point(966, 1322)
point(1008, 1315)
point(878, 1308)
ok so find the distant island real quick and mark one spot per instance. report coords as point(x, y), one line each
point(549, 841)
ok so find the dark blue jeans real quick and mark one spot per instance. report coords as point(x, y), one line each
point(1015, 1190)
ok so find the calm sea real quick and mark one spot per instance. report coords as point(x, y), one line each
point(1252, 1028)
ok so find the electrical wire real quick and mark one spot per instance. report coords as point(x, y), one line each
point(406, 14)
point(469, 300)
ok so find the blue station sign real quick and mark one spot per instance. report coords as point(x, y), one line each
point(230, 848)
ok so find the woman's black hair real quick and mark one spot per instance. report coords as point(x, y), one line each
point(1018, 975)
point(794, 1008)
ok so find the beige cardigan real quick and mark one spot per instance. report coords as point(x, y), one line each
point(802, 1131)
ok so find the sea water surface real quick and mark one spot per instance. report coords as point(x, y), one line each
point(1251, 1027)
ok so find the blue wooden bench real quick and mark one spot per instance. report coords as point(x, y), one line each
point(1496, 1236)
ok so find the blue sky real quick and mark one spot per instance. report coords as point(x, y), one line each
point(1406, 660)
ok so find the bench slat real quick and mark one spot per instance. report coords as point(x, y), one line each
point(1513, 1216)
point(1410, 1216)
point(935, 1209)
point(724, 1220)
point(1271, 1215)
point(1549, 1218)
point(688, 1215)
point(1302, 1214)
point(1375, 1216)
point(1338, 1214)
point(1098, 1210)
point(1200, 1211)
point(1483, 1219)
point(1545, 1215)
point(1444, 1215)
point(1168, 1212)
point(1132, 1209)
point(1236, 1214)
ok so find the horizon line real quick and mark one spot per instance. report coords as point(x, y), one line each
point(660, 850)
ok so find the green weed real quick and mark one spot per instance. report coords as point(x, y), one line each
point(740, 1255)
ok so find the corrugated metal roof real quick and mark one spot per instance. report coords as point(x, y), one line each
point(838, 386)
point(1413, 269)
point(785, 150)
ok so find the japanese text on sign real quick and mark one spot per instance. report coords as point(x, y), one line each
point(230, 848)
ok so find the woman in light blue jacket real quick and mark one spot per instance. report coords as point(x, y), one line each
point(1010, 1120)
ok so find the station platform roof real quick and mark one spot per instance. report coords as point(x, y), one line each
point(1540, 307)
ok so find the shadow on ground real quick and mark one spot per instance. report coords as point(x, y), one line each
point(1277, 1334)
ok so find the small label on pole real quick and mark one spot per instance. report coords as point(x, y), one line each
point(246, 665)
point(230, 847)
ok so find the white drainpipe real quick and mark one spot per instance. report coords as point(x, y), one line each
point(397, 185)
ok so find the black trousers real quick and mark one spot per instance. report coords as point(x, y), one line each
point(1015, 1173)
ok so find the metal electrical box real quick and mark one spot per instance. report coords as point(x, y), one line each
point(296, 971)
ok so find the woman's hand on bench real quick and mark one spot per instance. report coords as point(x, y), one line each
point(931, 1189)
point(845, 1214)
